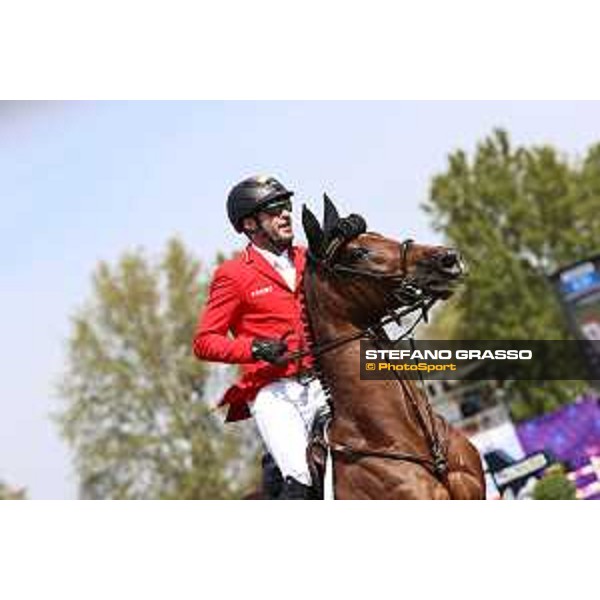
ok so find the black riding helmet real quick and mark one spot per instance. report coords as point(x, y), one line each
point(250, 195)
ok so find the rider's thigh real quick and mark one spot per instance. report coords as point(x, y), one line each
point(283, 431)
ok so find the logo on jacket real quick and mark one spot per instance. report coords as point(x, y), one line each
point(261, 291)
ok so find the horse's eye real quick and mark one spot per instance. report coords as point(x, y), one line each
point(358, 253)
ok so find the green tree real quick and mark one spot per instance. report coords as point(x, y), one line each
point(135, 412)
point(555, 485)
point(517, 214)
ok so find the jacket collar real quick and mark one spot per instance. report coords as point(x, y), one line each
point(259, 262)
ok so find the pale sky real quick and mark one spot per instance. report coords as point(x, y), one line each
point(82, 182)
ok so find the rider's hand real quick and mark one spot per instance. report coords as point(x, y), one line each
point(270, 350)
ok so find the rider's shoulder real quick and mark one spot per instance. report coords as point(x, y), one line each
point(233, 264)
point(228, 266)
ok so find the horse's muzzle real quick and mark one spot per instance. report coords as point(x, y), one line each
point(450, 265)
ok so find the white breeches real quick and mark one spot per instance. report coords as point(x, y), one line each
point(284, 411)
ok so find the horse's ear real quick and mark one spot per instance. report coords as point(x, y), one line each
point(312, 230)
point(330, 215)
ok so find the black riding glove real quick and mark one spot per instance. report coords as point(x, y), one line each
point(270, 350)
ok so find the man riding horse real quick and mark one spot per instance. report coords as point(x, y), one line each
point(297, 317)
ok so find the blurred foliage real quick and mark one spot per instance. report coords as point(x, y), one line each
point(516, 214)
point(135, 411)
point(444, 320)
point(554, 485)
point(9, 493)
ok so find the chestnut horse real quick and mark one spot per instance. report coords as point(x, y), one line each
point(385, 440)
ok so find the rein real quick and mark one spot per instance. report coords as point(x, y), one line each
point(368, 332)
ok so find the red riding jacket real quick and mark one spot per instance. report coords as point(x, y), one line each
point(249, 298)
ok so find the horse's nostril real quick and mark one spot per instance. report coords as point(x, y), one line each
point(450, 258)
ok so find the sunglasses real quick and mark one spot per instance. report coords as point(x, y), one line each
point(275, 209)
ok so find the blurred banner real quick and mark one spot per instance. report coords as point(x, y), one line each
point(578, 287)
point(571, 433)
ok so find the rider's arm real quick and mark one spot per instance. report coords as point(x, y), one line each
point(211, 341)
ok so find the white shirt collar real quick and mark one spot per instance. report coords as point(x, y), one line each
point(282, 260)
point(282, 263)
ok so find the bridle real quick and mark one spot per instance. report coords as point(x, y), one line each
point(414, 299)
point(405, 292)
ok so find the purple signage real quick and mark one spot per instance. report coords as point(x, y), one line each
point(571, 433)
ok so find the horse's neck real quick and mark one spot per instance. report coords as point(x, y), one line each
point(378, 407)
point(375, 411)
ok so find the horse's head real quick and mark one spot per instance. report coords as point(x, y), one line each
point(375, 273)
